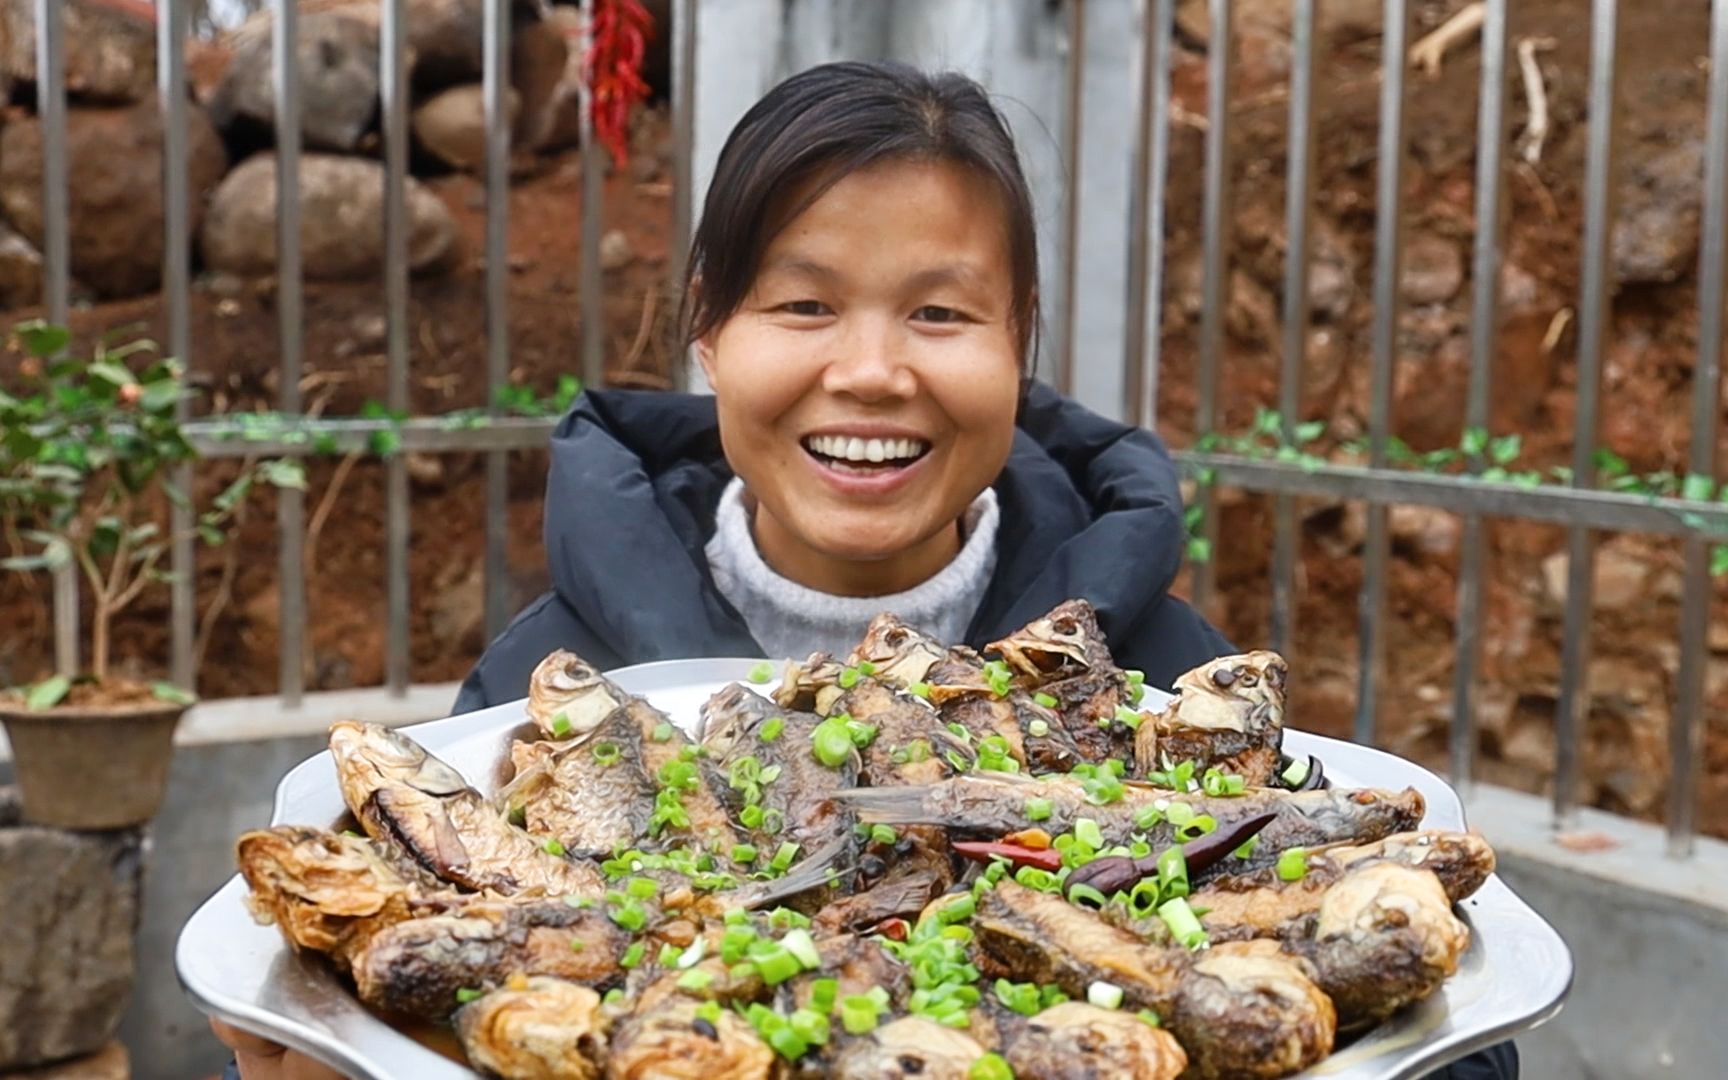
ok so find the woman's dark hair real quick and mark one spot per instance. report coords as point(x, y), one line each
point(824, 124)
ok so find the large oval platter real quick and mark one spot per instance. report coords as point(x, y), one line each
point(1515, 975)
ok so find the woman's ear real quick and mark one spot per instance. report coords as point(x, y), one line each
point(704, 347)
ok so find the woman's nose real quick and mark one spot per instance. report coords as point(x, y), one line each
point(870, 364)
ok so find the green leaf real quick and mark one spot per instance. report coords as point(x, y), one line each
point(42, 339)
point(167, 691)
point(1307, 433)
point(1719, 560)
point(1207, 442)
point(24, 564)
point(1475, 441)
point(161, 396)
point(1199, 549)
point(48, 693)
point(1206, 477)
point(1494, 475)
point(118, 374)
point(1697, 488)
point(1505, 450)
point(233, 493)
point(211, 535)
point(384, 443)
point(1611, 463)
point(283, 473)
point(324, 443)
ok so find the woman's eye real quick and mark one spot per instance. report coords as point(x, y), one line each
point(934, 313)
point(804, 307)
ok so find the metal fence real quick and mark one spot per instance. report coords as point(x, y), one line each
point(1580, 506)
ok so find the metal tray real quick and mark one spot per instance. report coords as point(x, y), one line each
point(1515, 975)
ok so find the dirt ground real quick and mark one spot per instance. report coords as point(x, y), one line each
point(1647, 405)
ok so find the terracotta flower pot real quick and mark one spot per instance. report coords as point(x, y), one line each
point(91, 767)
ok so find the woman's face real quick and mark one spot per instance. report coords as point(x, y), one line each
point(867, 386)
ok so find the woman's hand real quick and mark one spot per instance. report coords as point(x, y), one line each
point(261, 1059)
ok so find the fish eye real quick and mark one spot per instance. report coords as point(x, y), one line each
point(1066, 626)
point(896, 637)
point(1224, 677)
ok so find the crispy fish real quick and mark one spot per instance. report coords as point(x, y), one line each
point(810, 685)
point(1064, 655)
point(909, 1047)
point(1261, 904)
point(995, 805)
point(417, 966)
point(1238, 1010)
point(1077, 1041)
point(535, 1029)
point(568, 697)
point(1228, 713)
point(326, 891)
point(635, 780)
point(407, 799)
point(669, 1041)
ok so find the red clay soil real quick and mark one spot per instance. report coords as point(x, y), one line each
point(1647, 405)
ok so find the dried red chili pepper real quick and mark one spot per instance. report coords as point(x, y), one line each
point(983, 851)
point(617, 46)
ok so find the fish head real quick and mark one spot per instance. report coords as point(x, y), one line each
point(730, 715)
point(371, 758)
point(900, 653)
point(565, 685)
point(1244, 692)
point(811, 685)
point(1066, 638)
point(910, 1046)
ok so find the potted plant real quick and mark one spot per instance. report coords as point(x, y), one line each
point(88, 446)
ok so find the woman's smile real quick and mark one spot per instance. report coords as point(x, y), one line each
point(866, 459)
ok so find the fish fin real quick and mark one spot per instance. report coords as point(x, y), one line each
point(811, 872)
point(911, 805)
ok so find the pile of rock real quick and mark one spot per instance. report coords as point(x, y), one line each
point(114, 142)
point(70, 902)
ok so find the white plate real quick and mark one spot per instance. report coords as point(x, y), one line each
point(1514, 976)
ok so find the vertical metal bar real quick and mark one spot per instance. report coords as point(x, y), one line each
point(171, 30)
point(1074, 101)
point(1492, 122)
point(495, 84)
point(1388, 258)
point(1298, 222)
point(56, 270)
point(1215, 265)
point(393, 89)
point(683, 149)
point(1686, 728)
point(1146, 196)
point(1594, 311)
point(593, 221)
point(290, 505)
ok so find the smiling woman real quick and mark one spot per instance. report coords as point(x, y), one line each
point(863, 297)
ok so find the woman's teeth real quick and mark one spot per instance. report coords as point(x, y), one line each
point(853, 450)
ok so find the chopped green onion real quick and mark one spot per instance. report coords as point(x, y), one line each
point(990, 1067)
point(1045, 700)
point(865, 667)
point(641, 888)
point(800, 944)
point(859, 1015)
point(632, 956)
point(823, 993)
point(1001, 679)
point(734, 941)
point(613, 996)
point(1039, 809)
point(1179, 814)
point(810, 1025)
point(1105, 995)
point(761, 673)
point(1218, 783)
point(1173, 872)
point(466, 994)
point(695, 979)
point(579, 902)
point(662, 732)
point(1183, 923)
point(560, 725)
point(1038, 729)
point(1147, 817)
point(630, 916)
point(771, 728)
point(783, 857)
point(1034, 878)
point(1199, 826)
point(1128, 717)
point(669, 954)
point(958, 911)
point(1021, 997)
point(1295, 773)
point(783, 918)
point(709, 1011)
point(993, 755)
point(848, 678)
point(920, 689)
point(1077, 893)
point(577, 945)
point(1246, 851)
point(1150, 1017)
point(1293, 864)
point(552, 847)
point(777, 966)
point(751, 816)
point(862, 734)
point(607, 753)
point(1102, 789)
point(883, 834)
point(1087, 832)
point(773, 821)
point(743, 853)
point(1116, 767)
point(1144, 898)
point(692, 956)
point(831, 742)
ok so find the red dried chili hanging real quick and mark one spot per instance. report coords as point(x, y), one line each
point(622, 29)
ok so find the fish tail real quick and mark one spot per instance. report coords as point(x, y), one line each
point(811, 872)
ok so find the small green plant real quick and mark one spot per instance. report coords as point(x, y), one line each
point(87, 452)
point(1264, 441)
